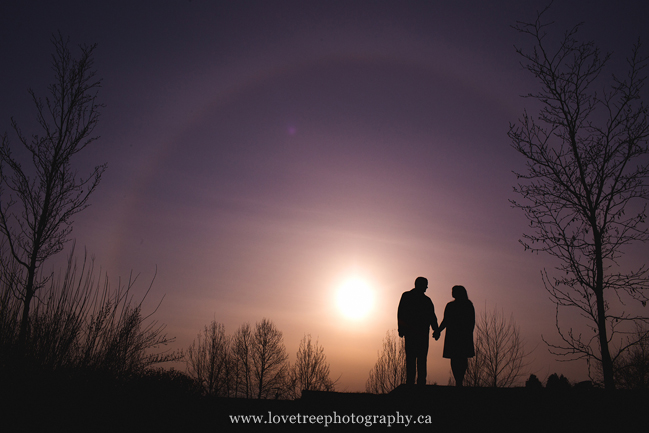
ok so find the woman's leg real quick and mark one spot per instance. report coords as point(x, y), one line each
point(459, 366)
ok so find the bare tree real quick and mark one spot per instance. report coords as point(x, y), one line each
point(268, 359)
point(585, 188)
point(310, 371)
point(390, 369)
point(476, 372)
point(36, 212)
point(207, 359)
point(499, 352)
point(241, 350)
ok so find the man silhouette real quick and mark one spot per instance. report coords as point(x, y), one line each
point(415, 316)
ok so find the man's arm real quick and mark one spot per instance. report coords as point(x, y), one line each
point(442, 326)
point(433, 317)
point(401, 316)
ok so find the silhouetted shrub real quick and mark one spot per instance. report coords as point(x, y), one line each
point(585, 384)
point(165, 383)
point(533, 382)
point(557, 382)
point(79, 325)
point(632, 368)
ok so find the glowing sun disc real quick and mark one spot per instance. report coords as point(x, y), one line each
point(355, 299)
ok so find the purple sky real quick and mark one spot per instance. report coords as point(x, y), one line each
point(262, 153)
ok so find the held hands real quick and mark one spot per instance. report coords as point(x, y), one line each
point(436, 335)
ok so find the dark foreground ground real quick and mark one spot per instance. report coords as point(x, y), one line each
point(73, 408)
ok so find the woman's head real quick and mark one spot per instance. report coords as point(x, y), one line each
point(459, 293)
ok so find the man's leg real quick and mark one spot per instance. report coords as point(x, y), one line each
point(411, 361)
point(422, 357)
point(422, 368)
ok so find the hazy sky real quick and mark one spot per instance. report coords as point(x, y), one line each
point(260, 154)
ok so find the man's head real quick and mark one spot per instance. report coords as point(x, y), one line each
point(421, 283)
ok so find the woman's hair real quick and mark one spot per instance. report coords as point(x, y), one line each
point(459, 293)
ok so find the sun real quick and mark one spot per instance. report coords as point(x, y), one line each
point(355, 299)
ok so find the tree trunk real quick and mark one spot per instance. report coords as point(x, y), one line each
point(607, 362)
point(262, 370)
point(24, 322)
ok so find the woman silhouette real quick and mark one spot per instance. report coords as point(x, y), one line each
point(459, 321)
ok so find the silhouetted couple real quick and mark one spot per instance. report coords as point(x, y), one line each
point(416, 315)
